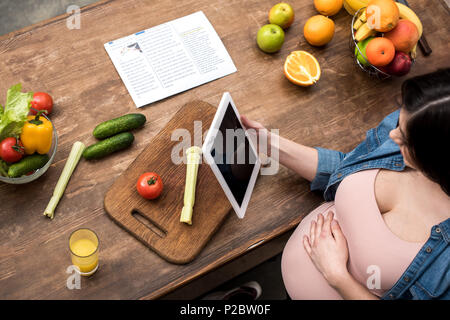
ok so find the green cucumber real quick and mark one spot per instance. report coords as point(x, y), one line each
point(122, 124)
point(105, 147)
point(27, 164)
point(3, 168)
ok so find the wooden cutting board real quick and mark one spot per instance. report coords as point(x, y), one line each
point(156, 223)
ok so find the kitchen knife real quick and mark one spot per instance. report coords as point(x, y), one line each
point(423, 43)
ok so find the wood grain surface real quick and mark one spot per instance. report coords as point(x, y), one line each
point(159, 226)
point(74, 68)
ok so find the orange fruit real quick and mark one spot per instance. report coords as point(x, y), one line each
point(380, 51)
point(302, 68)
point(382, 15)
point(318, 30)
point(328, 7)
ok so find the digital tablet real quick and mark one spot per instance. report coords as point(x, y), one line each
point(232, 155)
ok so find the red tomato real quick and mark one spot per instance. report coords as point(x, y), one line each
point(11, 150)
point(41, 101)
point(149, 185)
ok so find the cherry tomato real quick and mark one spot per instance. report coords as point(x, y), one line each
point(41, 101)
point(11, 150)
point(149, 185)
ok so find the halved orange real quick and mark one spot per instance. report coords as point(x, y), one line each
point(302, 68)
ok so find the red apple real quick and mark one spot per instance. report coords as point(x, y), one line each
point(399, 66)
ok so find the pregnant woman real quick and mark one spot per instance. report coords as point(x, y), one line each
point(384, 231)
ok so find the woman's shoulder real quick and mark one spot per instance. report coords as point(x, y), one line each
point(387, 183)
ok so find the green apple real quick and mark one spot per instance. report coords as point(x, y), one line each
point(362, 47)
point(270, 38)
point(281, 14)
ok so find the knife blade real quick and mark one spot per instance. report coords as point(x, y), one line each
point(423, 43)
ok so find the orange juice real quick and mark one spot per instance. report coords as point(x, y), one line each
point(83, 245)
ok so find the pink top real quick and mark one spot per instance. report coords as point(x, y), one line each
point(377, 257)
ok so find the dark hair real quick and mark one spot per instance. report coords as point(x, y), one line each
point(427, 99)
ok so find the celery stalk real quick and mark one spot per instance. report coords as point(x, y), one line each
point(71, 163)
point(193, 155)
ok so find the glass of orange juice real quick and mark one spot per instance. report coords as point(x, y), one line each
point(83, 245)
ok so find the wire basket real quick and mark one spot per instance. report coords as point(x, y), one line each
point(368, 67)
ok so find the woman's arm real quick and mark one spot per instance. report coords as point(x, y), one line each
point(327, 248)
point(299, 158)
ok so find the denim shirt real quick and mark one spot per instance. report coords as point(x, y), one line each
point(428, 276)
point(377, 151)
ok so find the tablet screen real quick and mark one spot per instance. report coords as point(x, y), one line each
point(233, 155)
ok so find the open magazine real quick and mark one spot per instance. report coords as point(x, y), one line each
point(170, 58)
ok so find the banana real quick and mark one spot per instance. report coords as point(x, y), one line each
point(348, 8)
point(359, 22)
point(413, 52)
point(357, 4)
point(407, 13)
point(364, 32)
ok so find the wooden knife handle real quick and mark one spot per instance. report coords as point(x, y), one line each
point(424, 47)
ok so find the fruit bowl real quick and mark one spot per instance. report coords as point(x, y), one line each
point(363, 62)
point(39, 172)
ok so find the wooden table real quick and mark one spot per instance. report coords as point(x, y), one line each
point(74, 68)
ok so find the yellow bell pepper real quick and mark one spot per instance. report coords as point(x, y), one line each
point(37, 134)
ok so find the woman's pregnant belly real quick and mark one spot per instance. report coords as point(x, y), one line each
point(377, 257)
point(301, 278)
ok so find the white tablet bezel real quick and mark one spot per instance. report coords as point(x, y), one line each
point(206, 150)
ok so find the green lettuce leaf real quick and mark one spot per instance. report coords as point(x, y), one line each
point(14, 114)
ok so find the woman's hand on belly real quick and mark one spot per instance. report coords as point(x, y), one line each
point(327, 248)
